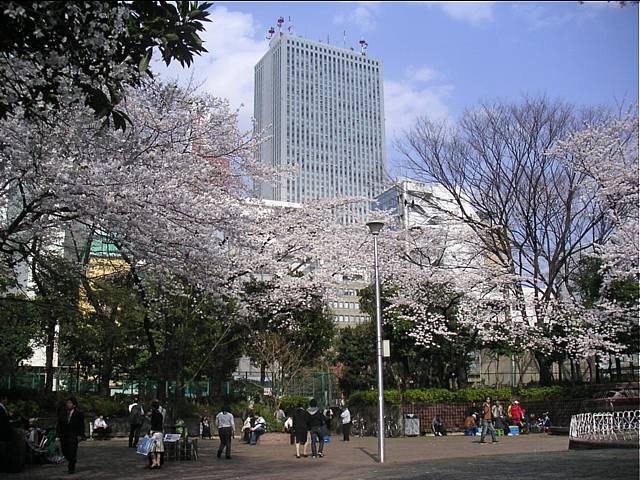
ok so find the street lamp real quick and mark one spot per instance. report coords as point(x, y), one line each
point(375, 228)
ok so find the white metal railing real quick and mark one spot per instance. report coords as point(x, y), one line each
point(606, 426)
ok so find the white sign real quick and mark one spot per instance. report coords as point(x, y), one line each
point(386, 348)
point(267, 391)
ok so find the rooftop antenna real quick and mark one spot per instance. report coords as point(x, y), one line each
point(344, 39)
point(363, 46)
point(280, 22)
point(270, 33)
point(290, 26)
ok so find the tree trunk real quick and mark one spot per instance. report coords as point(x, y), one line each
point(50, 349)
point(461, 374)
point(560, 365)
point(105, 372)
point(544, 365)
point(618, 369)
point(161, 390)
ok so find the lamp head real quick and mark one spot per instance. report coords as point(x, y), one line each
point(375, 227)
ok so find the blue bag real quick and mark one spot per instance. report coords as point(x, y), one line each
point(144, 446)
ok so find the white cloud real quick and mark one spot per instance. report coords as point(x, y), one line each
point(235, 44)
point(474, 13)
point(362, 17)
point(409, 98)
point(540, 16)
point(421, 74)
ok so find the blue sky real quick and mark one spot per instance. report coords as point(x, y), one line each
point(441, 57)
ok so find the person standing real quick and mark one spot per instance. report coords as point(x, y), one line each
point(301, 427)
point(136, 419)
point(205, 428)
point(157, 448)
point(69, 430)
point(328, 415)
point(316, 428)
point(517, 413)
point(487, 423)
point(226, 431)
point(499, 421)
point(345, 417)
point(288, 428)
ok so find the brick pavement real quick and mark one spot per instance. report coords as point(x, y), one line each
point(452, 457)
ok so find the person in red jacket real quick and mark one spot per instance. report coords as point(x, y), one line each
point(517, 413)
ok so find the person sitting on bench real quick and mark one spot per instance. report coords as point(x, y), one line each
point(258, 429)
point(100, 428)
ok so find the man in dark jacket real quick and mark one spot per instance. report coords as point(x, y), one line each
point(317, 428)
point(69, 430)
point(136, 419)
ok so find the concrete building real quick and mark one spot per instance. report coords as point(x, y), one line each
point(322, 108)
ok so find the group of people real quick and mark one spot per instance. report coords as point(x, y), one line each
point(491, 416)
point(154, 436)
point(253, 426)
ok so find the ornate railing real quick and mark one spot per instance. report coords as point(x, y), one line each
point(606, 427)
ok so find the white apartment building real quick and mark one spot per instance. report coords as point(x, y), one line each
point(322, 108)
point(430, 207)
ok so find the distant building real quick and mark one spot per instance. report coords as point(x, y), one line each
point(322, 108)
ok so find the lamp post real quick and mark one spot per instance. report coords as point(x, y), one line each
point(375, 228)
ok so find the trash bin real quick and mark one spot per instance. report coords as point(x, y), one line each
point(411, 425)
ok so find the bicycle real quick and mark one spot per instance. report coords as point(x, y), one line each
point(391, 428)
point(358, 426)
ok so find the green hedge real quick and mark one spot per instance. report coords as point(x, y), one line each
point(441, 395)
point(290, 402)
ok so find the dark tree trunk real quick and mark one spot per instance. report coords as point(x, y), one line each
point(161, 390)
point(618, 370)
point(105, 372)
point(50, 349)
point(461, 374)
point(560, 375)
point(544, 365)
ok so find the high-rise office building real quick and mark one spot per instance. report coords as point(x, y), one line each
point(322, 108)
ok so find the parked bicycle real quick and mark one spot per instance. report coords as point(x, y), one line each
point(359, 426)
point(391, 428)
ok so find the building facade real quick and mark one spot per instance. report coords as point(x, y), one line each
point(321, 108)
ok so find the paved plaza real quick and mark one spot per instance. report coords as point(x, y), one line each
point(452, 457)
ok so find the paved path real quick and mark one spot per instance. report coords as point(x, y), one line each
point(454, 457)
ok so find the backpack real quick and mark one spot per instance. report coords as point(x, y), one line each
point(135, 417)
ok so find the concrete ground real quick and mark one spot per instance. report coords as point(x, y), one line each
point(453, 457)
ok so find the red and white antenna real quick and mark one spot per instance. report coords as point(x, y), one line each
point(270, 33)
point(363, 46)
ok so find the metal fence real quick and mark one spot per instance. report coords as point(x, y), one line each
point(608, 427)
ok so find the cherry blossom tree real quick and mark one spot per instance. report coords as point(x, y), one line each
point(171, 193)
point(532, 211)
